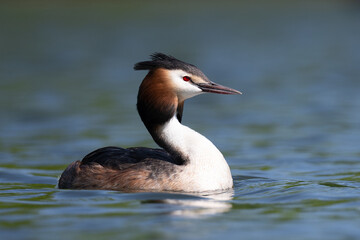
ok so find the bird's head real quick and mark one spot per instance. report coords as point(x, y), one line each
point(167, 85)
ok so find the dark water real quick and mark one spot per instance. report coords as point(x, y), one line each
point(292, 139)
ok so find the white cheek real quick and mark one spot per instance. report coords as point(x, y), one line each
point(184, 89)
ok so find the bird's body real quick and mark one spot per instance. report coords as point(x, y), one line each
point(188, 162)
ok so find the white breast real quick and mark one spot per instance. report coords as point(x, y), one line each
point(207, 169)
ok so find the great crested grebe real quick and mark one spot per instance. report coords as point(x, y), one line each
point(188, 162)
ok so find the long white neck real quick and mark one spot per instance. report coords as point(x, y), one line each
point(205, 169)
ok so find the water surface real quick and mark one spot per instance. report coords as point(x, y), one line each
point(292, 139)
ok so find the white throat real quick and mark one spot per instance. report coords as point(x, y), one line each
point(206, 170)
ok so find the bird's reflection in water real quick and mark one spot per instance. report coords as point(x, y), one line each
point(194, 204)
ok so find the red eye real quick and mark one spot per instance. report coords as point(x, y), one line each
point(186, 78)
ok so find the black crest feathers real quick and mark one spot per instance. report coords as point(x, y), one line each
point(160, 60)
